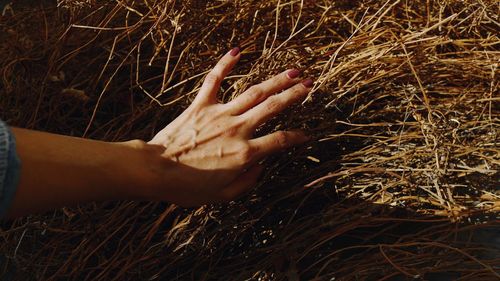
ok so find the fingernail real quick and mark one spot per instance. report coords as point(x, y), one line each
point(294, 73)
point(308, 83)
point(234, 52)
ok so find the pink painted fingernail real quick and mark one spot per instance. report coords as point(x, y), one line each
point(294, 73)
point(234, 52)
point(308, 83)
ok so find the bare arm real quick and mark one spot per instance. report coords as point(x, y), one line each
point(206, 155)
point(58, 171)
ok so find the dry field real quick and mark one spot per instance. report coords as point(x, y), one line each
point(401, 180)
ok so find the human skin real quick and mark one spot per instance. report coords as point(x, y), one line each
point(206, 155)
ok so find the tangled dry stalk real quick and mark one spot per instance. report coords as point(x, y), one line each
point(401, 180)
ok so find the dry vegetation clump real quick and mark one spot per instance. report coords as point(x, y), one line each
point(399, 183)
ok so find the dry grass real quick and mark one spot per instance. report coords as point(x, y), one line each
point(401, 180)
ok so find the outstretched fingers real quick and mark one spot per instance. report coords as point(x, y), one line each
point(275, 104)
point(213, 80)
point(258, 93)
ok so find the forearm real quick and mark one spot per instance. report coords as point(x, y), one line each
point(206, 155)
point(60, 171)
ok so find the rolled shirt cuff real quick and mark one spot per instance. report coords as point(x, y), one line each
point(10, 168)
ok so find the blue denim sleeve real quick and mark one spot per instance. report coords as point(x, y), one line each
point(10, 168)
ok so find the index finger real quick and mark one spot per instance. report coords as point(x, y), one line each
point(213, 80)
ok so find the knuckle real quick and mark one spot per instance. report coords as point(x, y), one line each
point(231, 131)
point(233, 128)
point(255, 92)
point(246, 153)
point(282, 139)
point(213, 78)
point(273, 104)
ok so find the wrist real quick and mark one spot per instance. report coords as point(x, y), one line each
point(143, 166)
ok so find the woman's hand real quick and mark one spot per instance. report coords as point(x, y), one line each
point(211, 156)
point(206, 155)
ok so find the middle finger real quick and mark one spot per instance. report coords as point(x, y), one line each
point(273, 105)
point(258, 93)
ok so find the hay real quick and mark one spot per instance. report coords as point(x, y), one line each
point(400, 181)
